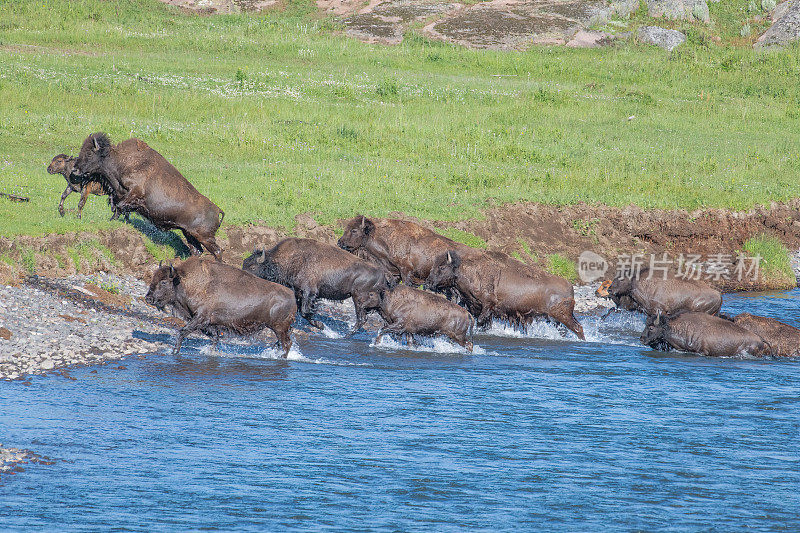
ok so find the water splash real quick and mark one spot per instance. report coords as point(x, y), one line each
point(621, 328)
point(428, 345)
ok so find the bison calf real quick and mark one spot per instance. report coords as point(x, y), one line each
point(782, 338)
point(317, 270)
point(702, 333)
point(63, 164)
point(213, 297)
point(412, 312)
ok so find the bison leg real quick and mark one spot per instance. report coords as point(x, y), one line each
point(361, 316)
point(562, 312)
point(307, 300)
point(284, 338)
point(64, 195)
point(193, 325)
point(195, 247)
point(82, 201)
point(389, 328)
point(211, 245)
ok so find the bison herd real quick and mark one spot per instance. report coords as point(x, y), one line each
point(380, 264)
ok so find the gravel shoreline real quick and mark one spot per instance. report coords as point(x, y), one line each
point(55, 324)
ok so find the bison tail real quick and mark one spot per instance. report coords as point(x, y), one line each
point(221, 216)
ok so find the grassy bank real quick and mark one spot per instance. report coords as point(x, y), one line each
point(275, 114)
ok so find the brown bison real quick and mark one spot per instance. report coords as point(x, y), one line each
point(63, 164)
point(654, 294)
point(141, 180)
point(317, 270)
point(493, 285)
point(703, 334)
point(782, 338)
point(409, 311)
point(405, 249)
point(213, 297)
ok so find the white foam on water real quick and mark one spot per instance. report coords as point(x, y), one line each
point(330, 333)
point(619, 328)
point(428, 345)
point(296, 355)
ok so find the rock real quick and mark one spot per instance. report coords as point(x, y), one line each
point(5, 334)
point(785, 29)
point(515, 24)
point(661, 37)
point(590, 39)
point(48, 364)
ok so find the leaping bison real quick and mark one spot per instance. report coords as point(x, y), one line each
point(142, 181)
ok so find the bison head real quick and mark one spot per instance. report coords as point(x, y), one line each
point(444, 272)
point(163, 287)
point(93, 155)
point(655, 332)
point(356, 233)
point(259, 264)
point(61, 164)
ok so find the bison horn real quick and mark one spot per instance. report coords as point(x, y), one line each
point(262, 257)
point(160, 263)
point(449, 258)
point(363, 221)
point(96, 145)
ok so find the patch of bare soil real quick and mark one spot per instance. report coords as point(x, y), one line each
point(499, 24)
point(540, 229)
point(613, 232)
point(386, 22)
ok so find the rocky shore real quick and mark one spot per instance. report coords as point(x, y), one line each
point(50, 325)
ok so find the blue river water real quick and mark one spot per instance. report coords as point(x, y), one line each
point(525, 434)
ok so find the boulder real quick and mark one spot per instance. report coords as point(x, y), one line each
point(679, 9)
point(661, 37)
point(786, 26)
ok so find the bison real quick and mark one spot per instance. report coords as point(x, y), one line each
point(213, 297)
point(782, 338)
point(405, 249)
point(63, 164)
point(493, 285)
point(142, 181)
point(703, 334)
point(409, 311)
point(654, 294)
point(317, 270)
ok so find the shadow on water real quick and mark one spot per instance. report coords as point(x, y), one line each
point(161, 238)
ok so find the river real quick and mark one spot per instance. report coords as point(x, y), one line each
point(527, 433)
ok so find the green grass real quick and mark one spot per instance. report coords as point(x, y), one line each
point(464, 237)
point(272, 115)
point(775, 265)
point(561, 266)
point(159, 252)
point(89, 251)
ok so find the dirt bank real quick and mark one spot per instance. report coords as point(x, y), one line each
point(528, 230)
